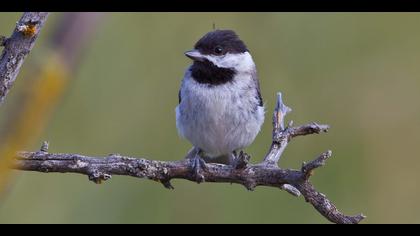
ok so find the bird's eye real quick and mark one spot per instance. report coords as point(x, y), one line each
point(218, 49)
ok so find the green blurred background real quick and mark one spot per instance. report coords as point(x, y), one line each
point(360, 73)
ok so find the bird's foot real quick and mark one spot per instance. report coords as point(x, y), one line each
point(197, 166)
point(241, 160)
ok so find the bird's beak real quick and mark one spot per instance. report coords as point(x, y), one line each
point(195, 55)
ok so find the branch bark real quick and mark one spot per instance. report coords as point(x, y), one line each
point(17, 47)
point(267, 173)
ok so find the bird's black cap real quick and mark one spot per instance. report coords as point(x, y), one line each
point(220, 42)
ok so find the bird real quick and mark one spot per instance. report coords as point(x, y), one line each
point(220, 110)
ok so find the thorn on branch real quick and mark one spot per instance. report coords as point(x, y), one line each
point(290, 189)
point(44, 146)
point(250, 185)
point(167, 184)
point(358, 218)
point(307, 168)
point(280, 111)
point(98, 177)
point(3, 41)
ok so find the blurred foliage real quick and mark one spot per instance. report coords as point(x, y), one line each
point(357, 72)
point(31, 116)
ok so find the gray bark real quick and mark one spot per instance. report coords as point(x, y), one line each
point(17, 47)
point(267, 173)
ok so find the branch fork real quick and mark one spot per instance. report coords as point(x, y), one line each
point(266, 173)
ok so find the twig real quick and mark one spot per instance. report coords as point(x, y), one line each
point(267, 173)
point(282, 135)
point(307, 168)
point(17, 47)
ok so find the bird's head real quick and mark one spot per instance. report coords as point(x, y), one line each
point(221, 49)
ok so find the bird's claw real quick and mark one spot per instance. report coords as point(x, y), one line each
point(197, 166)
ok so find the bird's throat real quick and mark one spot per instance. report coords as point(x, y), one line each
point(207, 73)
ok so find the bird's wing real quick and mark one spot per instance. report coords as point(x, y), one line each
point(257, 85)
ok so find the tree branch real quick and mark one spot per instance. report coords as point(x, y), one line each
point(267, 173)
point(17, 47)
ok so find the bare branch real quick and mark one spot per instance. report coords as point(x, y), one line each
point(267, 173)
point(307, 168)
point(324, 206)
point(99, 169)
point(282, 135)
point(17, 47)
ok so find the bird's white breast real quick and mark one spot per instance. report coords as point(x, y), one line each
point(219, 119)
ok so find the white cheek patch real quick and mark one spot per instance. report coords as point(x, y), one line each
point(241, 62)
